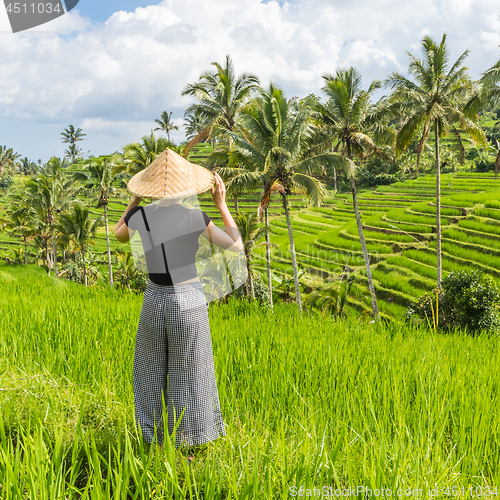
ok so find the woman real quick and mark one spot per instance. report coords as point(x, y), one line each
point(173, 336)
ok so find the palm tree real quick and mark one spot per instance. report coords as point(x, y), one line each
point(488, 95)
point(15, 257)
point(332, 298)
point(235, 170)
point(98, 181)
point(81, 228)
point(194, 124)
point(41, 236)
point(139, 155)
point(19, 219)
point(240, 176)
point(490, 80)
point(351, 118)
point(435, 98)
point(221, 96)
point(496, 148)
point(274, 139)
point(49, 195)
point(264, 208)
point(55, 167)
point(72, 136)
point(8, 160)
point(250, 233)
point(73, 152)
point(27, 167)
point(165, 123)
point(126, 269)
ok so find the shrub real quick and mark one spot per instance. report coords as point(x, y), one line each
point(260, 289)
point(140, 281)
point(5, 182)
point(485, 165)
point(72, 272)
point(426, 308)
point(471, 153)
point(74, 269)
point(385, 179)
point(364, 178)
point(468, 299)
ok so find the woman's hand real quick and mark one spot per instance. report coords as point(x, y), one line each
point(136, 199)
point(219, 191)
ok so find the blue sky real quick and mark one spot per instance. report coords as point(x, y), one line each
point(102, 10)
point(112, 67)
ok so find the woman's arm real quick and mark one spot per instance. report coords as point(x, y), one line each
point(122, 232)
point(231, 238)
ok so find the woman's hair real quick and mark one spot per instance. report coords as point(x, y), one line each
point(156, 203)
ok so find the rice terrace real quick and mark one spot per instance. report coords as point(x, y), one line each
point(368, 366)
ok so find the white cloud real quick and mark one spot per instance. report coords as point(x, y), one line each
point(113, 78)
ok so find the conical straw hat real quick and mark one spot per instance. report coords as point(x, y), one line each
point(170, 176)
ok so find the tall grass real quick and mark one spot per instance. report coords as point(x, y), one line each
point(376, 235)
point(492, 204)
point(402, 216)
point(308, 402)
point(474, 256)
point(429, 209)
point(476, 225)
point(333, 239)
point(429, 259)
point(395, 226)
point(314, 218)
point(491, 213)
point(460, 236)
point(397, 279)
point(407, 263)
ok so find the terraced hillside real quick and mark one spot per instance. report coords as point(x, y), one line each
point(399, 226)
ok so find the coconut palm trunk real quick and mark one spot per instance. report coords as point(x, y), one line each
point(48, 255)
point(460, 145)
point(420, 149)
point(292, 251)
point(236, 207)
point(84, 268)
point(250, 289)
point(366, 257)
point(268, 258)
point(418, 160)
point(54, 249)
point(497, 163)
point(110, 270)
point(438, 207)
point(44, 254)
point(25, 250)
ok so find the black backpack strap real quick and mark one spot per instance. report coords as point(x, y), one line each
point(147, 227)
point(151, 239)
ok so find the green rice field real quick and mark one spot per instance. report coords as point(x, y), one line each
point(308, 402)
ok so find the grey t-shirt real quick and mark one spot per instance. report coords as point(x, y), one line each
point(170, 238)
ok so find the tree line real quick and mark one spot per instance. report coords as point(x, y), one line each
point(266, 142)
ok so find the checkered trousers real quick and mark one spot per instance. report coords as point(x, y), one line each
point(173, 355)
